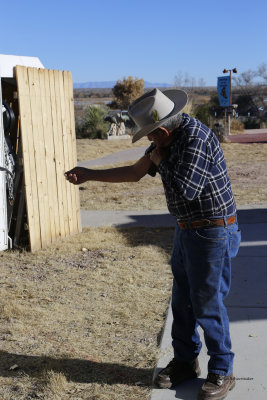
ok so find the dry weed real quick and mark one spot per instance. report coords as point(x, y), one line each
point(54, 386)
point(237, 126)
point(84, 324)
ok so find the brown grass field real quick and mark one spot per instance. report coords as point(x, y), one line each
point(246, 165)
point(82, 319)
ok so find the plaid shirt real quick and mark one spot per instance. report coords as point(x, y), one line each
point(194, 174)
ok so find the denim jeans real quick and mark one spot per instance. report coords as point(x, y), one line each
point(201, 266)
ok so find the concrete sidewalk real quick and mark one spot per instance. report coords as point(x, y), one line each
point(247, 308)
point(246, 303)
point(132, 154)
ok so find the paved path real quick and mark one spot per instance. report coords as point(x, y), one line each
point(120, 156)
point(127, 219)
point(258, 136)
point(246, 303)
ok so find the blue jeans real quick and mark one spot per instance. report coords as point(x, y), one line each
point(201, 266)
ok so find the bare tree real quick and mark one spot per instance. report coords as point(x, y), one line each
point(193, 82)
point(253, 87)
point(186, 79)
point(262, 72)
point(201, 82)
point(178, 79)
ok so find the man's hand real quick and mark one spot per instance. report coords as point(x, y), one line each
point(77, 175)
point(158, 154)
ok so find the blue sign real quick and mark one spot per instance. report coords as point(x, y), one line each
point(223, 90)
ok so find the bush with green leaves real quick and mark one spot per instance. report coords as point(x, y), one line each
point(93, 124)
point(202, 112)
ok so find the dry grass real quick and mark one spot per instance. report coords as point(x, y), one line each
point(88, 149)
point(147, 194)
point(246, 164)
point(237, 126)
point(84, 324)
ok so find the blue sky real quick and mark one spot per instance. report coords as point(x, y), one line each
point(150, 39)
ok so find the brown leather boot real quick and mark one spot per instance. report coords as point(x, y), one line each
point(216, 387)
point(177, 372)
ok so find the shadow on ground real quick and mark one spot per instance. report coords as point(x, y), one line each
point(249, 268)
point(76, 370)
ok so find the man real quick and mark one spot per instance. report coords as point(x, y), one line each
point(190, 161)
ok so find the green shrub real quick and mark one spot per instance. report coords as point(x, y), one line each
point(252, 123)
point(203, 114)
point(93, 124)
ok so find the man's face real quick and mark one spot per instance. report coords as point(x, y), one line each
point(160, 136)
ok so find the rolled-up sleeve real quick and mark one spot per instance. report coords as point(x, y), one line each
point(190, 173)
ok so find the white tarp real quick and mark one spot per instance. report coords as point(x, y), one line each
point(8, 62)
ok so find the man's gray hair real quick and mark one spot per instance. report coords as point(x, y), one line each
point(172, 123)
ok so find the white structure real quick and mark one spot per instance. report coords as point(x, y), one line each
point(7, 64)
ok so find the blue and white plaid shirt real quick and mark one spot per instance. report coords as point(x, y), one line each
point(194, 174)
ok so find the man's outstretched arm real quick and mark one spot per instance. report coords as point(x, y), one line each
point(129, 173)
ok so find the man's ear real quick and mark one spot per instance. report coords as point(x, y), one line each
point(167, 133)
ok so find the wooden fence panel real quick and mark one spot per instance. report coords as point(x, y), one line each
point(72, 144)
point(49, 149)
point(59, 167)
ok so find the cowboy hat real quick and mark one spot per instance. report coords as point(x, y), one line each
point(153, 108)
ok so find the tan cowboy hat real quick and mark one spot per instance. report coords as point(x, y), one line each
point(154, 108)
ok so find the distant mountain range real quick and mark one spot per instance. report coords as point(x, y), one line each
point(111, 84)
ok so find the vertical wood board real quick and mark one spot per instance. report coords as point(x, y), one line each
point(49, 149)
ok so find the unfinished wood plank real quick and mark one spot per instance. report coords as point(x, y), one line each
point(59, 155)
point(54, 185)
point(68, 155)
point(65, 153)
point(56, 128)
point(61, 140)
point(75, 189)
point(49, 153)
point(38, 141)
point(70, 152)
point(32, 203)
